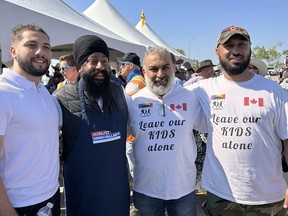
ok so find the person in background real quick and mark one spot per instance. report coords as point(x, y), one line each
point(204, 71)
point(162, 118)
point(29, 124)
point(130, 70)
point(68, 69)
point(257, 66)
point(175, 62)
point(45, 78)
point(247, 115)
point(217, 70)
point(284, 83)
point(180, 73)
point(55, 79)
point(284, 75)
point(94, 133)
point(190, 73)
point(1, 69)
point(115, 78)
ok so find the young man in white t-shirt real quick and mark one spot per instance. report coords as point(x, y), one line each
point(29, 130)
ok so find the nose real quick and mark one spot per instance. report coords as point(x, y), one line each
point(160, 73)
point(100, 65)
point(43, 52)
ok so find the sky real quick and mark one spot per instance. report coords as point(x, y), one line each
point(194, 25)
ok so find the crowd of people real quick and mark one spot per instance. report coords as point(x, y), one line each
point(150, 122)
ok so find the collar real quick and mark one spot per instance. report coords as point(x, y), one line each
point(19, 80)
point(132, 74)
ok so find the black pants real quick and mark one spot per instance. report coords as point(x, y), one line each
point(33, 209)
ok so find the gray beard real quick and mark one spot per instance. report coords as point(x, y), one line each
point(159, 90)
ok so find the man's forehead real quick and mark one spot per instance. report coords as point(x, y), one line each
point(96, 55)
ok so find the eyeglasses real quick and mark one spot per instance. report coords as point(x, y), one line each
point(64, 68)
point(125, 63)
point(161, 110)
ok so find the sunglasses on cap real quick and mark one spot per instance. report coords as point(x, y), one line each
point(125, 63)
point(64, 68)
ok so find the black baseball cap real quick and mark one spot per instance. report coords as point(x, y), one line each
point(130, 57)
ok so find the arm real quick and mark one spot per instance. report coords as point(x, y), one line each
point(6, 208)
point(285, 143)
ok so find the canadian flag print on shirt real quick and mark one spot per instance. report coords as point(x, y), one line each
point(253, 102)
point(182, 106)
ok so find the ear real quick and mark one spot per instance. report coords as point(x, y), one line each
point(13, 52)
point(217, 52)
point(174, 67)
point(75, 68)
point(143, 71)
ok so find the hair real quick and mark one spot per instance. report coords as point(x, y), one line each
point(19, 29)
point(69, 59)
point(157, 50)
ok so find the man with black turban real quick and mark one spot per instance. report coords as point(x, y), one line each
point(94, 131)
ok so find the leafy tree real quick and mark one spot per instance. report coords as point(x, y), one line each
point(271, 55)
point(181, 51)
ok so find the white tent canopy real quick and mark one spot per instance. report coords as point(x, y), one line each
point(102, 12)
point(61, 22)
point(148, 32)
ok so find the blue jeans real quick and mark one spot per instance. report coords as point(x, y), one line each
point(149, 206)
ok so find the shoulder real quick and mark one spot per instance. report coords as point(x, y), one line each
point(115, 85)
point(139, 80)
point(68, 91)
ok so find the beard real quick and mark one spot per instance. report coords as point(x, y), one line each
point(96, 88)
point(235, 69)
point(27, 66)
point(159, 89)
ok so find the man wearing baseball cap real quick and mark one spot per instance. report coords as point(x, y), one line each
point(247, 117)
point(130, 68)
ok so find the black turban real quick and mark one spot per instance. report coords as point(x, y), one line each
point(86, 45)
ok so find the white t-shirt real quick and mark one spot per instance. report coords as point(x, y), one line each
point(246, 122)
point(29, 159)
point(164, 145)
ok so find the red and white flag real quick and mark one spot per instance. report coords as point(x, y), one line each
point(182, 106)
point(248, 101)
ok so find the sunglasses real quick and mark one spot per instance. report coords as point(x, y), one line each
point(125, 63)
point(64, 68)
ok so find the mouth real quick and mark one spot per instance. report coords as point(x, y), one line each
point(236, 59)
point(99, 76)
point(161, 82)
point(40, 62)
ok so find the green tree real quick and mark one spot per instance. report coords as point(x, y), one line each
point(181, 51)
point(271, 55)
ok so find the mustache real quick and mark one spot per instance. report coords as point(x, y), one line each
point(236, 54)
point(97, 71)
point(157, 79)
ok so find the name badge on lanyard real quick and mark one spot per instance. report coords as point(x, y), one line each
point(104, 136)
